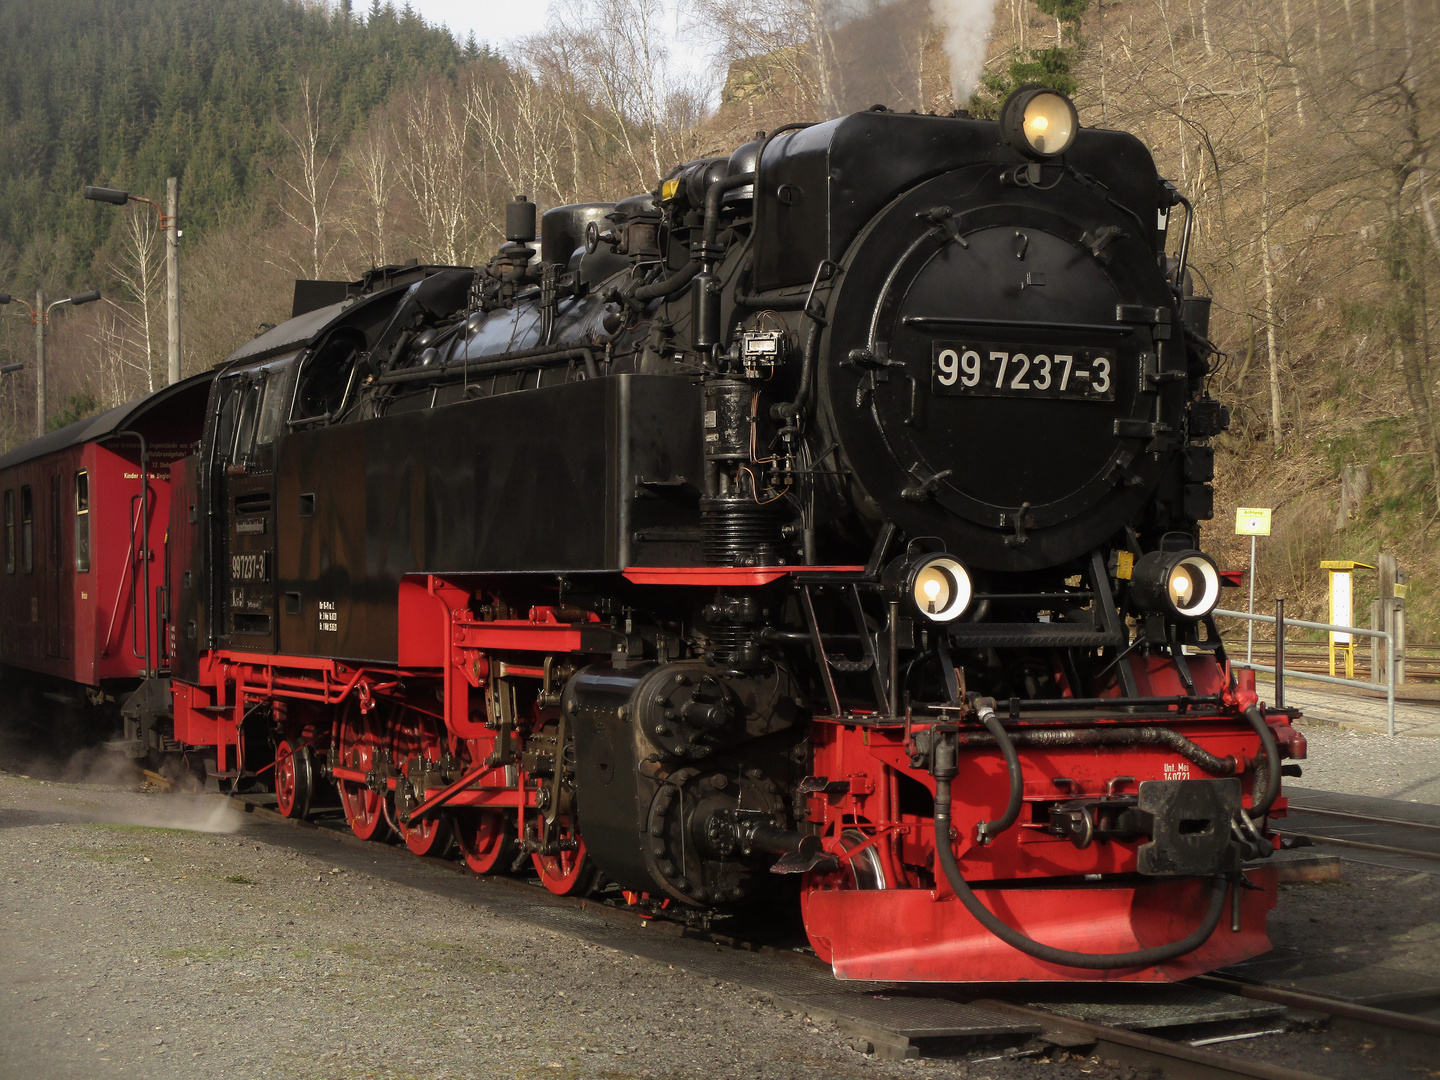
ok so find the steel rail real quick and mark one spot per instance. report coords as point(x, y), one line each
point(1175, 1059)
point(1299, 999)
point(1306, 808)
point(1363, 846)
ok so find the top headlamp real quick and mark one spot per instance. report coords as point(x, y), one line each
point(1039, 122)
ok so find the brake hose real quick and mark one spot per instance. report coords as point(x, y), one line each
point(1260, 806)
point(988, 830)
point(944, 771)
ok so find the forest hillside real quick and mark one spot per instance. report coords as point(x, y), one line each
point(315, 140)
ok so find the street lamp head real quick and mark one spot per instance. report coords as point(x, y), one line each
point(106, 194)
point(86, 297)
point(8, 368)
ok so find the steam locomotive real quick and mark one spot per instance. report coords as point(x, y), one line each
point(825, 522)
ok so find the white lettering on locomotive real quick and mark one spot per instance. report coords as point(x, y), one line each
point(250, 567)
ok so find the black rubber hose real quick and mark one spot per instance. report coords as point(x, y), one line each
point(1260, 807)
point(686, 274)
point(1145, 735)
point(667, 286)
point(713, 194)
point(945, 764)
point(988, 830)
point(791, 409)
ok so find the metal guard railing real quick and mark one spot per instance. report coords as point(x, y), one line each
point(1279, 621)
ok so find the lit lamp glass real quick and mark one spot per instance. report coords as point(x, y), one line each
point(1038, 121)
point(940, 588)
point(1185, 584)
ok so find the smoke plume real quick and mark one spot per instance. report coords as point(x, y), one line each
point(967, 35)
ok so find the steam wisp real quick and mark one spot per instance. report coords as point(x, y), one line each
point(967, 26)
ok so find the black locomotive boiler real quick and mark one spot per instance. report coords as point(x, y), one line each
point(830, 515)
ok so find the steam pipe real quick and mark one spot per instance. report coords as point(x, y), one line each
point(497, 365)
point(944, 772)
point(1259, 807)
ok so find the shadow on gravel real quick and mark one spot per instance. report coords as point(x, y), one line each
point(51, 731)
point(24, 819)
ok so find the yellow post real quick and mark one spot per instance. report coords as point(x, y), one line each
point(1342, 609)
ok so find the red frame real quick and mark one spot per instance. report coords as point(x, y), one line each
point(914, 929)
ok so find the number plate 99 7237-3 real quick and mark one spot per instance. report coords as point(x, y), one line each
point(982, 369)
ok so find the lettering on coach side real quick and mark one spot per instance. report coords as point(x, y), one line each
point(1177, 770)
point(329, 617)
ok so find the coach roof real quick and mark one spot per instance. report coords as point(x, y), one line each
point(104, 424)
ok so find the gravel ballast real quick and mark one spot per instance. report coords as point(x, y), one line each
point(131, 949)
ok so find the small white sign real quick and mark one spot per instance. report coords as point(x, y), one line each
point(1342, 609)
point(1252, 521)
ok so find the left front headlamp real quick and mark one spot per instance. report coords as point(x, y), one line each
point(1039, 122)
point(1181, 584)
point(936, 585)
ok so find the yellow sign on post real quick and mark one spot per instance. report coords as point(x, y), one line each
point(1342, 609)
point(1252, 521)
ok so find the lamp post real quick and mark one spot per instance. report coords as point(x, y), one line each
point(40, 318)
point(169, 225)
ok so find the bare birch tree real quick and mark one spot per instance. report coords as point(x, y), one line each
point(312, 182)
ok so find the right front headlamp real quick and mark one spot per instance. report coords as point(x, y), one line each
point(1181, 584)
point(936, 585)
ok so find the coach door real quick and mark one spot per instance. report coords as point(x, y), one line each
point(251, 407)
point(59, 620)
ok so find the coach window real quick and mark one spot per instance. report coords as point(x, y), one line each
point(27, 529)
point(82, 521)
point(9, 532)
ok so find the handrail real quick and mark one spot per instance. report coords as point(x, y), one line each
point(120, 591)
point(144, 550)
point(1280, 622)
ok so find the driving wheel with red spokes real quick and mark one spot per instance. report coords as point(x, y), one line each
point(418, 745)
point(569, 871)
point(361, 743)
point(487, 839)
point(294, 779)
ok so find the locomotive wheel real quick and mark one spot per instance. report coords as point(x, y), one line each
point(359, 749)
point(294, 779)
point(864, 871)
point(415, 739)
point(432, 835)
point(486, 839)
point(569, 872)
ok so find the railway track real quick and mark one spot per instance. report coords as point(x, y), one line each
point(1422, 662)
point(945, 1021)
point(1349, 823)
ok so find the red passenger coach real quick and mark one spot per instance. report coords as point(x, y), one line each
point(84, 542)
